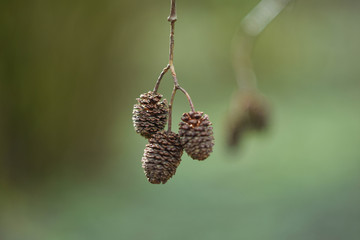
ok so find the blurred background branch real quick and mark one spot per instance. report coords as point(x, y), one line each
point(243, 41)
point(249, 110)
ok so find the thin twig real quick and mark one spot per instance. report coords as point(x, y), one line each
point(261, 15)
point(171, 48)
point(160, 77)
point(188, 97)
point(172, 19)
point(172, 16)
point(176, 84)
point(170, 107)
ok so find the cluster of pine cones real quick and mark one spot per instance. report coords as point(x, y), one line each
point(163, 153)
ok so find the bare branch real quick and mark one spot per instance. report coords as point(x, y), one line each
point(172, 17)
point(170, 108)
point(160, 77)
point(188, 98)
point(243, 41)
point(261, 15)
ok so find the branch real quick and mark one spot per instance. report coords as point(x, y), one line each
point(172, 16)
point(261, 15)
point(172, 19)
point(160, 77)
point(170, 108)
point(188, 98)
point(243, 41)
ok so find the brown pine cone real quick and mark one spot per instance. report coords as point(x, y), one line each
point(196, 135)
point(150, 114)
point(236, 129)
point(249, 111)
point(258, 113)
point(162, 156)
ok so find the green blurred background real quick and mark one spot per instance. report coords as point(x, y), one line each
point(70, 159)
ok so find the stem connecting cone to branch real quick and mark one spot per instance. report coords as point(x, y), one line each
point(172, 19)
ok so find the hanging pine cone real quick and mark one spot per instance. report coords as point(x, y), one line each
point(150, 114)
point(258, 113)
point(196, 135)
point(162, 156)
point(236, 128)
point(248, 111)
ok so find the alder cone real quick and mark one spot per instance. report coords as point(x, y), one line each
point(236, 130)
point(196, 135)
point(258, 114)
point(162, 156)
point(150, 114)
point(249, 111)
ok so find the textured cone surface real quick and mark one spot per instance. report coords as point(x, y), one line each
point(161, 157)
point(196, 135)
point(150, 114)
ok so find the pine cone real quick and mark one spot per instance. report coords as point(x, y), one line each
point(161, 157)
point(249, 111)
point(150, 114)
point(196, 135)
point(236, 129)
point(258, 113)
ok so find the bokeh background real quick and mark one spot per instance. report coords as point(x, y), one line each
point(69, 157)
